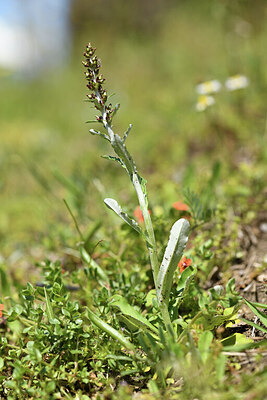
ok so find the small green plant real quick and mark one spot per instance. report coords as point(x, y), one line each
point(162, 273)
point(200, 308)
point(103, 323)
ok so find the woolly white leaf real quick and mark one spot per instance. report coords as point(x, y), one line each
point(174, 250)
point(114, 206)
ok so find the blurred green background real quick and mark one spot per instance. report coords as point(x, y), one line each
point(153, 53)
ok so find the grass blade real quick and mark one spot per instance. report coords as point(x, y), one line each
point(109, 330)
point(256, 326)
point(257, 312)
point(49, 308)
point(135, 316)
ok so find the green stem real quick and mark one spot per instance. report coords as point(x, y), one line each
point(152, 248)
point(166, 317)
point(151, 243)
point(120, 149)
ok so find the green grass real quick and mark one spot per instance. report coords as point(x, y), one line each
point(47, 154)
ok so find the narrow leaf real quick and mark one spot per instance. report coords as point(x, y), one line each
point(244, 346)
point(112, 158)
point(256, 326)
point(115, 357)
point(174, 250)
point(114, 206)
point(49, 308)
point(220, 363)
point(127, 133)
point(129, 372)
point(74, 219)
point(204, 343)
point(90, 234)
point(135, 316)
point(103, 135)
point(109, 330)
point(257, 312)
point(116, 108)
point(131, 324)
point(259, 305)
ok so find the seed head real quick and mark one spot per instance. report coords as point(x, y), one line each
point(98, 95)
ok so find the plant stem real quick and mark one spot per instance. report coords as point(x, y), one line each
point(99, 98)
point(120, 149)
point(166, 317)
point(151, 243)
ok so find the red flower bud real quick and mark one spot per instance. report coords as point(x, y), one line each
point(184, 263)
point(180, 206)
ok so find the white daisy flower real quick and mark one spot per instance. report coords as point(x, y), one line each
point(204, 102)
point(209, 87)
point(236, 82)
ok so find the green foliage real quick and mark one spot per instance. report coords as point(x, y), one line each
point(96, 329)
point(200, 213)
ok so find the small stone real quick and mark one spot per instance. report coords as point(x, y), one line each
point(263, 227)
point(262, 278)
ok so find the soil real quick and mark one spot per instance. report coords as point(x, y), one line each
point(251, 283)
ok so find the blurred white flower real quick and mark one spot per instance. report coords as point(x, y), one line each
point(208, 87)
point(236, 82)
point(204, 102)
